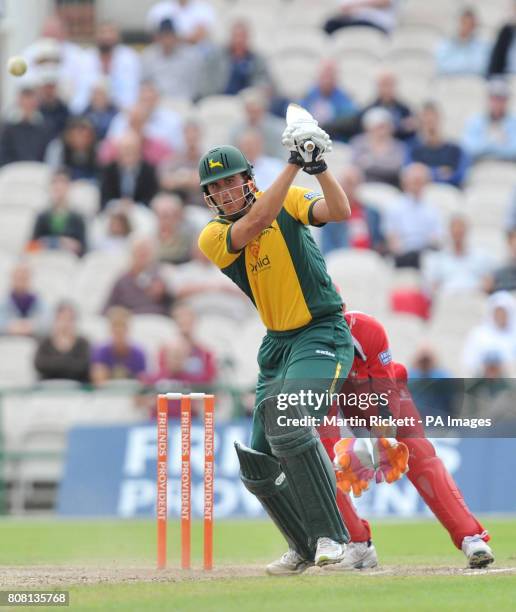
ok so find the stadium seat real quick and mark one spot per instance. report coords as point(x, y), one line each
point(405, 332)
point(220, 109)
point(16, 225)
point(24, 184)
point(447, 198)
point(85, 198)
point(151, 332)
point(415, 37)
point(294, 72)
point(492, 172)
point(17, 362)
point(338, 158)
point(96, 275)
point(379, 195)
point(437, 14)
point(360, 39)
point(290, 41)
point(217, 333)
point(486, 206)
point(52, 272)
point(411, 61)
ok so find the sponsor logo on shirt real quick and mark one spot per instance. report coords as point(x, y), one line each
point(312, 194)
point(260, 265)
point(327, 353)
point(385, 357)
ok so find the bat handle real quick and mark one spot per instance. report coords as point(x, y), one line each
point(308, 146)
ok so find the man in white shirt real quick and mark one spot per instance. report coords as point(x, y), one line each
point(412, 225)
point(117, 62)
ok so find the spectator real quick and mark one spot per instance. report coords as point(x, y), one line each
point(412, 225)
point(55, 50)
point(114, 61)
point(460, 267)
point(119, 358)
point(256, 116)
point(64, 354)
point(180, 174)
point(387, 97)
point(22, 311)
point(425, 364)
point(266, 169)
point(141, 219)
point(117, 233)
point(51, 106)
point(378, 14)
point(129, 176)
point(326, 101)
point(503, 54)
point(158, 123)
point(58, 227)
point(377, 153)
point(194, 19)
point(363, 229)
point(183, 359)
point(25, 135)
point(503, 278)
point(497, 333)
point(237, 65)
point(175, 235)
point(173, 67)
point(141, 289)
point(76, 150)
point(465, 52)
point(446, 161)
point(492, 134)
point(433, 390)
point(101, 110)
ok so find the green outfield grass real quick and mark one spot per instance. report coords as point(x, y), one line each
point(126, 544)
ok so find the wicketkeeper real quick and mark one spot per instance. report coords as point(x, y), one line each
point(261, 241)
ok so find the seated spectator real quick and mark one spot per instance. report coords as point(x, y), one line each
point(141, 219)
point(58, 227)
point(412, 225)
point(117, 233)
point(141, 289)
point(112, 60)
point(194, 19)
point(459, 267)
point(256, 116)
point(51, 106)
point(266, 168)
point(129, 176)
point(326, 101)
point(363, 229)
point(425, 364)
point(446, 161)
point(183, 359)
point(436, 394)
point(465, 52)
point(503, 54)
point(497, 333)
point(154, 150)
point(377, 153)
point(387, 97)
point(173, 67)
point(25, 134)
point(236, 65)
point(22, 311)
point(503, 278)
point(175, 236)
point(180, 174)
point(119, 358)
point(378, 14)
point(76, 150)
point(158, 123)
point(492, 135)
point(101, 110)
point(64, 354)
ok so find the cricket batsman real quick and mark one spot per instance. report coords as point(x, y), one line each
point(261, 241)
point(425, 470)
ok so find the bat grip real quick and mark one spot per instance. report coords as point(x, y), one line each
point(308, 146)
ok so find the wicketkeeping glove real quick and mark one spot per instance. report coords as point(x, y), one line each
point(390, 459)
point(354, 466)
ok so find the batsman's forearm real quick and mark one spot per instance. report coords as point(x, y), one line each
point(334, 196)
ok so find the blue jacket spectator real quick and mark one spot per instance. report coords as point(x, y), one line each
point(326, 101)
point(446, 161)
point(492, 134)
point(465, 53)
point(363, 230)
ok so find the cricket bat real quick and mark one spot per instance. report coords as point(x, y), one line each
point(296, 113)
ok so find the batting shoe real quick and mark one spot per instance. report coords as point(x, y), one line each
point(329, 552)
point(477, 552)
point(358, 556)
point(290, 564)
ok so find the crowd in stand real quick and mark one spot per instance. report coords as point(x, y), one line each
point(104, 115)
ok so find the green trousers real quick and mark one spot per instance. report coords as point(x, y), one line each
point(317, 358)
